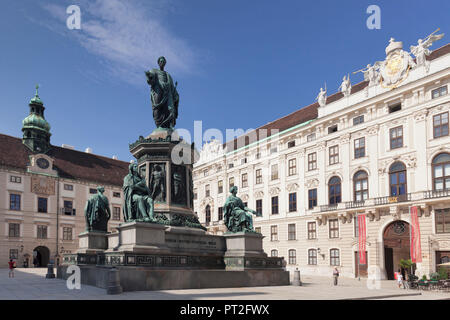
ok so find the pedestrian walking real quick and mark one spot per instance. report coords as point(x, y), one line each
point(405, 282)
point(399, 279)
point(335, 275)
point(12, 265)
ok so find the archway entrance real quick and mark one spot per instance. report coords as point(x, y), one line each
point(41, 256)
point(396, 246)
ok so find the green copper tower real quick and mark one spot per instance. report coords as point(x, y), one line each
point(36, 130)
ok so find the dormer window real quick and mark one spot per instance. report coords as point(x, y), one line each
point(358, 120)
point(332, 129)
point(311, 137)
point(291, 144)
point(395, 108)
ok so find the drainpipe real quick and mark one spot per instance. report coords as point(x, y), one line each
point(57, 219)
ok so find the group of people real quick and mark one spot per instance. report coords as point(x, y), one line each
point(401, 279)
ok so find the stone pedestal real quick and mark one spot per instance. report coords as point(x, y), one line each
point(138, 237)
point(92, 242)
point(245, 251)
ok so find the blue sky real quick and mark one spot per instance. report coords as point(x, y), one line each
point(239, 64)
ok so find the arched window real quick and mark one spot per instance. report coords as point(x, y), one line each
point(292, 256)
point(361, 186)
point(397, 179)
point(312, 256)
point(334, 257)
point(334, 190)
point(441, 171)
point(274, 253)
point(208, 214)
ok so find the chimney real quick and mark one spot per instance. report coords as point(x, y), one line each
point(66, 146)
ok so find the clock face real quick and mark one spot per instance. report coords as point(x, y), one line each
point(42, 163)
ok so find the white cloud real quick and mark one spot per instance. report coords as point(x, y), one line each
point(128, 35)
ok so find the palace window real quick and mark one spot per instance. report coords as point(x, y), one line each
point(275, 205)
point(14, 230)
point(68, 187)
point(397, 179)
point(207, 190)
point(358, 120)
point(441, 172)
point(334, 257)
point(334, 190)
point(205, 173)
point(244, 180)
point(116, 213)
point(274, 253)
point(292, 167)
point(442, 220)
point(258, 176)
point(395, 108)
point(259, 208)
point(292, 254)
point(274, 172)
point(14, 201)
point(220, 186)
point(231, 182)
point(273, 233)
point(334, 154)
point(230, 165)
point(195, 194)
point(68, 208)
point(396, 137)
point(312, 161)
point(15, 179)
point(291, 144)
point(14, 254)
point(291, 232)
point(208, 214)
point(92, 191)
point(42, 205)
point(41, 232)
point(244, 161)
point(440, 125)
point(360, 186)
point(439, 92)
point(258, 229)
point(312, 233)
point(355, 226)
point(360, 148)
point(293, 202)
point(220, 213)
point(310, 137)
point(312, 257)
point(67, 233)
point(116, 194)
point(312, 198)
point(332, 129)
point(333, 228)
point(258, 155)
point(273, 150)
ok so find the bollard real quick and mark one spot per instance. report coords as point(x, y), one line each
point(114, 282)
point(50, 273)
point(296, 281)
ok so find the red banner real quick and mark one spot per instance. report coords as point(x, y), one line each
point(416, 250)
point(362, 238)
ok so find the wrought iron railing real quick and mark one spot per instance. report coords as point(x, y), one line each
point(436, 193)
point(393, 199)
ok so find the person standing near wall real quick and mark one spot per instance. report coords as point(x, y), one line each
point(335, 275)
point(11, 265)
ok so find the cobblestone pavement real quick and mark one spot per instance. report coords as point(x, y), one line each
point(31, 284)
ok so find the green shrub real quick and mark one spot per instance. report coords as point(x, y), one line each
point(443, 275)
point(434, 276)
point(424, 277)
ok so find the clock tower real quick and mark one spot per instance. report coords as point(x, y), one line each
point(36, 130)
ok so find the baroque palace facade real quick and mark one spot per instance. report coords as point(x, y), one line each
point(376, 148)
point(43, 192)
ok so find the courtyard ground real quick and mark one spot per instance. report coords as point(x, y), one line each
point(31, 284)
